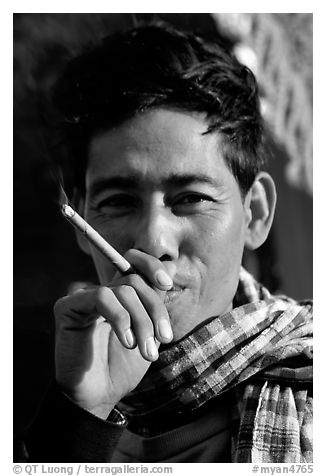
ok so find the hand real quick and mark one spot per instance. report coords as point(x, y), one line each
point(107, 336)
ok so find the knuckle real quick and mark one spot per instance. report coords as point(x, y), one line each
point(59, 306)
point(129, 255)
point(134, 281)
point(127, 291)
point(101, 294)
point(121, 317)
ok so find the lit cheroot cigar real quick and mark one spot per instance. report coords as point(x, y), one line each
point(96, 240)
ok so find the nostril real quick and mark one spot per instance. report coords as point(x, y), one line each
point(166, 257)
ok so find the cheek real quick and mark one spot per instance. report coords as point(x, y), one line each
point(119, 236)
point(105, 270)
point(218, 240)
point(220, 249)
point(120, 241)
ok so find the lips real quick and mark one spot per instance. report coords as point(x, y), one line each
point(176, 288)
point(182, 282)
point(174, 293)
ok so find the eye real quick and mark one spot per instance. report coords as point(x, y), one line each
point(118, 201)
point(191, 202)
point(193, 198)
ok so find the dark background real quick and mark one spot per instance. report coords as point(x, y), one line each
point(46, 256)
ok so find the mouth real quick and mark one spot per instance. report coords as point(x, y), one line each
point(173, 294)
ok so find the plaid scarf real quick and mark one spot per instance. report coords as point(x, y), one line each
point(263, 350)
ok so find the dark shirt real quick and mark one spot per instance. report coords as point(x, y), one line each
point(64, 432)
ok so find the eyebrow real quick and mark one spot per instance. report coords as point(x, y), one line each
point(136, 181)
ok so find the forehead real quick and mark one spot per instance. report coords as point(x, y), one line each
point(156, 144)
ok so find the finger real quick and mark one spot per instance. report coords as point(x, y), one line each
point(118, 315)
point(78, 307)
point(141, 323)
point(76, 286)
point(153, 304)
point(159, 274)
point(84, 307)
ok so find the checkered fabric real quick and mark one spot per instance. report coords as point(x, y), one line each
point(263, 350)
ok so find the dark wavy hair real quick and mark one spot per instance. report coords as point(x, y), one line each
point(158, 65)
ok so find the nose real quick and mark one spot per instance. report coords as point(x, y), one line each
point(158, 233)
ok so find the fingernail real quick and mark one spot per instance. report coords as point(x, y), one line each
point(163, 278)
point(151, 349)
point(164, 329)
point(130, 338)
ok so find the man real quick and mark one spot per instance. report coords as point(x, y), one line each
point(188, 359)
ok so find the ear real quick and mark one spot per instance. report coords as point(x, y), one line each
point(260, 206)
point(79, 204)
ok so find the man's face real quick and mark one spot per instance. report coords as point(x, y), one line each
point(157, 184)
